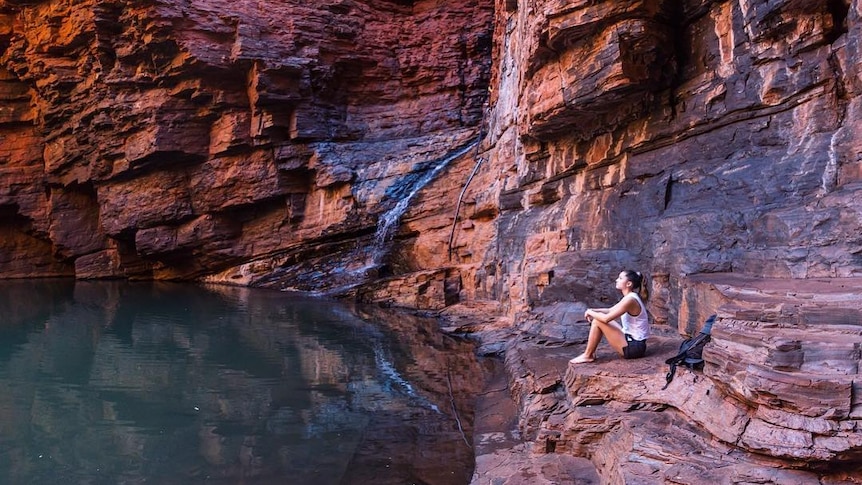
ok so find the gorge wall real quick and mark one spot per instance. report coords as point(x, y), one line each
point(537, 148)
point(678, 137)
point(173, 140)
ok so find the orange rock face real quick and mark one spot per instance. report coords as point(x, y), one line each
point(674, 137)
point(165, 140)
point(713, 145)
point(506, 155)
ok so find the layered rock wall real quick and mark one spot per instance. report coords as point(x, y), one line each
point(510, 157)
point(714, 145)
point(154, 139)
point(673, 137)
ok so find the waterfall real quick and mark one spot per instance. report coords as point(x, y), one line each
point(389, 220)
point(405, 189)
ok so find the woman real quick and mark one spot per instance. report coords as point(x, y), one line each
point(628, 336)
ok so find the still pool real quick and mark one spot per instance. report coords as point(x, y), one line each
point(131, 383)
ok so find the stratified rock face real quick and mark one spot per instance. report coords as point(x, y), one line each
point(594, 65)
point(291, 145)
point(671, 137)
point(158, 139)
point(716, 146)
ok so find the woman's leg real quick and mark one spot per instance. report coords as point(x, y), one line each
point(611, 331)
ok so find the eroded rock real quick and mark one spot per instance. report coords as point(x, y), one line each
point(752, 413)
point(162, 114)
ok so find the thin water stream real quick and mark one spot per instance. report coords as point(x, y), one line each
point(108, 382)
point(364, 264)
point(406, 192)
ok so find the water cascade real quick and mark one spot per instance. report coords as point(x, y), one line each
point(388, 221)
point(404, 190)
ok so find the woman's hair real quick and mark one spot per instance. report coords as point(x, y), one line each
point(639, 283)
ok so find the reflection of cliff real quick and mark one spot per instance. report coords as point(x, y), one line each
point(175, 382)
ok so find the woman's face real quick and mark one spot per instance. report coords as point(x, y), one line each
point(622, 281)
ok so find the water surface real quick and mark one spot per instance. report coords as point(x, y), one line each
point(108, 382)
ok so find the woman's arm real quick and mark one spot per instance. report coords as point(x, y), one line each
point(606, 315)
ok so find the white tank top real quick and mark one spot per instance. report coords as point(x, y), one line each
point(637, 327)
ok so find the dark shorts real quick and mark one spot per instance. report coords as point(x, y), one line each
point(635, 348)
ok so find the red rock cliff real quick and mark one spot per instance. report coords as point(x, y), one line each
point(678, 137)
point(713, 144)
point(174, 139)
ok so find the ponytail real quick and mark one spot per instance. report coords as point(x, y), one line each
point(639, 283)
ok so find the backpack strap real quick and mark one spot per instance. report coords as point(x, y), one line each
point(707, 326)
point(669, 375)
point(680, 358)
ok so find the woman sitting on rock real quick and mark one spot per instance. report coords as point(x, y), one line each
point(628, 336)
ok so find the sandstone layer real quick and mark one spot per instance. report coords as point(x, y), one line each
point(777, 401)
point(501, 161)
point(176, 140)
point(716, 146)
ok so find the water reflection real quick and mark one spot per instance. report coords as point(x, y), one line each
point(165, 383)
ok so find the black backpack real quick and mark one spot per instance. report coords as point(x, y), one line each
point(691, 351)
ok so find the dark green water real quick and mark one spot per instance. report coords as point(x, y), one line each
point(130, 383)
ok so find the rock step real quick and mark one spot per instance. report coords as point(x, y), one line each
point(502, 456)
point(676, 433)
point(632, 443)
point(777, 401)
point(772, 417)
point(647, 447)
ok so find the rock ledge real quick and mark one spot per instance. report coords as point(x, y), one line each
point(767, 408)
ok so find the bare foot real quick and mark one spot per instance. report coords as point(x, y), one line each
point(582, 359)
